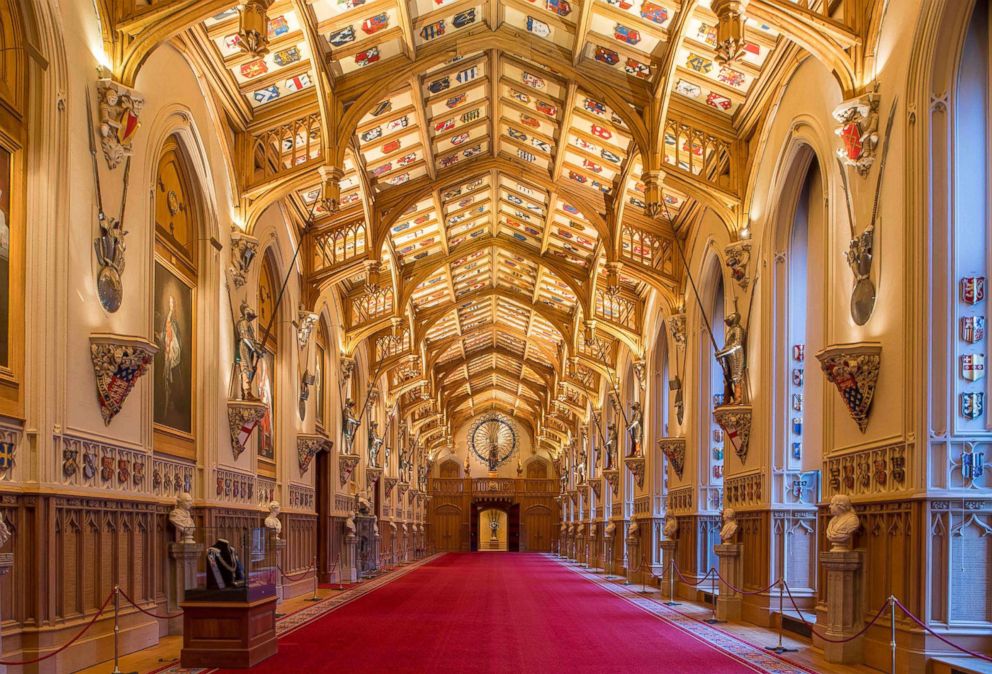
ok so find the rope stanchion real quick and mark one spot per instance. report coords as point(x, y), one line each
point(302, 575)
point(66, 645)
point(687, 581)
point(713, 620)
point(314, 597)
point(779, 648)
point(809, 625)
point(117, 631)
point(671, 586)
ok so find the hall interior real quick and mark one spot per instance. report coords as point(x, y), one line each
point(675, 309)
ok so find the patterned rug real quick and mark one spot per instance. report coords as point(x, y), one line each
point(306, 615)
point(757, 656)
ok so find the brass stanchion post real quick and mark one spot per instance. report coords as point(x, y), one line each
point(779, 648)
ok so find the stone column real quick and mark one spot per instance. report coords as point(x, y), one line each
point(843, 615)
point(184, 559)
point(728, 604)
point(667, 560)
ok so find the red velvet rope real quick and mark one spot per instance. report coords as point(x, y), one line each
point(169, 616)
point(919, 622)
point(303, 575)
point(871, 622)
point(68, 643)
point(687, 582)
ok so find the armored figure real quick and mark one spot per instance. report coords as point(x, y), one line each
point(375, 443)
point(635, 429)
point(349, 425)
point(422, 478)
point(582, 465)
point(492, 459)
point(733, 360)
point(611, 446)
point(249, 351)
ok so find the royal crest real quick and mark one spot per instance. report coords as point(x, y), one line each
point(674, 451)
point(715, 100)
point(106, 468)
point(298, 82)
point(538, 27)
point(972, 329)
point(367, 57)
point(972, 289)
point(654, 13)
point(853, 369)
point(857, 129)
point(118, 363)
point(119, 108)
point(463, 19)
point(607, 56)
point(972, 366)
point(559, 7)
point(432, 30)
point(547, 108)
point(286, 56)
point(342, 37)
point(625, 34)
point(7, 450)
point(533, 81)
point(439, 85)
point(374, 24)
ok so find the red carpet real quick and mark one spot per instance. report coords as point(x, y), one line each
point(495, 612)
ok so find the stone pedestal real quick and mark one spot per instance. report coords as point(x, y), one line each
point(6, 563)
point(184, 559)
point(280, 549)
point(843, 614)
point(667, 561)
point(349, 564)
point(728, 604)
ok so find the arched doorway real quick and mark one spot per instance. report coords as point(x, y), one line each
point(492, 530)
point(481, 524)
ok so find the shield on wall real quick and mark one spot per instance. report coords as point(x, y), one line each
point(973, 366)
point(972, 289)
point(972, 328)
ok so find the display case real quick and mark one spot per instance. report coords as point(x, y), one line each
point(237, 565)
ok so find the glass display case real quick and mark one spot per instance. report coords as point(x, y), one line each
point(236, 564)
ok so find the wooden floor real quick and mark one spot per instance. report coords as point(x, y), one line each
point(167, 650)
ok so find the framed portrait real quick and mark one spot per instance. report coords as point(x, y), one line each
point(266, 393)
point(318, 384)
point(173, 333)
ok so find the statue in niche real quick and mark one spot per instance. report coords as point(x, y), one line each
point(249, 351)
point(635, 429)
point(375, 444)
point(272, 522)
point(182, 518)
point(349, 425)
point(843, 523)
point(583, 457)
point(422, 478)
point(729, 531)
point(733, 361)
point(492, 458)
point(610, 447)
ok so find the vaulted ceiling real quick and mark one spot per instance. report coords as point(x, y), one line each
point(492, 187)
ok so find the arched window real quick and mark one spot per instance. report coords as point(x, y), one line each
point(713, 384)
point(971, 224)
point(177, 224)
point(266, 375)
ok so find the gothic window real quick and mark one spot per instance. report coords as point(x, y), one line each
point(713, 383)
point(177, 223)
point(320, 374)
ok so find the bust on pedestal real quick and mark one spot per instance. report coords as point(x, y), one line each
point(185, 553)
point(843, 567)
point(728, 604)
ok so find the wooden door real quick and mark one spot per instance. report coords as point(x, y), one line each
point(446, 528)
point(537, 525)
point(513, 528)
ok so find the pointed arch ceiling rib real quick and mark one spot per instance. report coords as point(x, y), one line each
point(485, 178)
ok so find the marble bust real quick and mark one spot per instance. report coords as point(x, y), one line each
point(671, 529)
point(182, 517)
point(843, 523)
point(729, 531)
point(272, 521)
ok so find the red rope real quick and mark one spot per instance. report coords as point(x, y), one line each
point(149, 613)
point(834, 641)
point(744, 592)
point(300, 577)
point(946, 641)
point(687, 582)
point(68, 643)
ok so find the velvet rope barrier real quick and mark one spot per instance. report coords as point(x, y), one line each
point(687, 582)
point(809, 625)
point(302, 575)
point(68, 643)
point(168, 616)
point(919, 622)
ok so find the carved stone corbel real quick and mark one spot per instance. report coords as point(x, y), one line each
point(636, 465)
point(597, 487)
point(305, 322)
point(674, 451)
point(640, 373)
point(853, 369)
point(612, 478)
point(676, 326)
point(308, 446)
point(735, 420)
point(402, 489)
point(244, 248)
point(738, 255)
point(242, 417)
point(371, 475)
point(388, 484)
point(346, 466)
point(857, 127)
point(118, 362)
